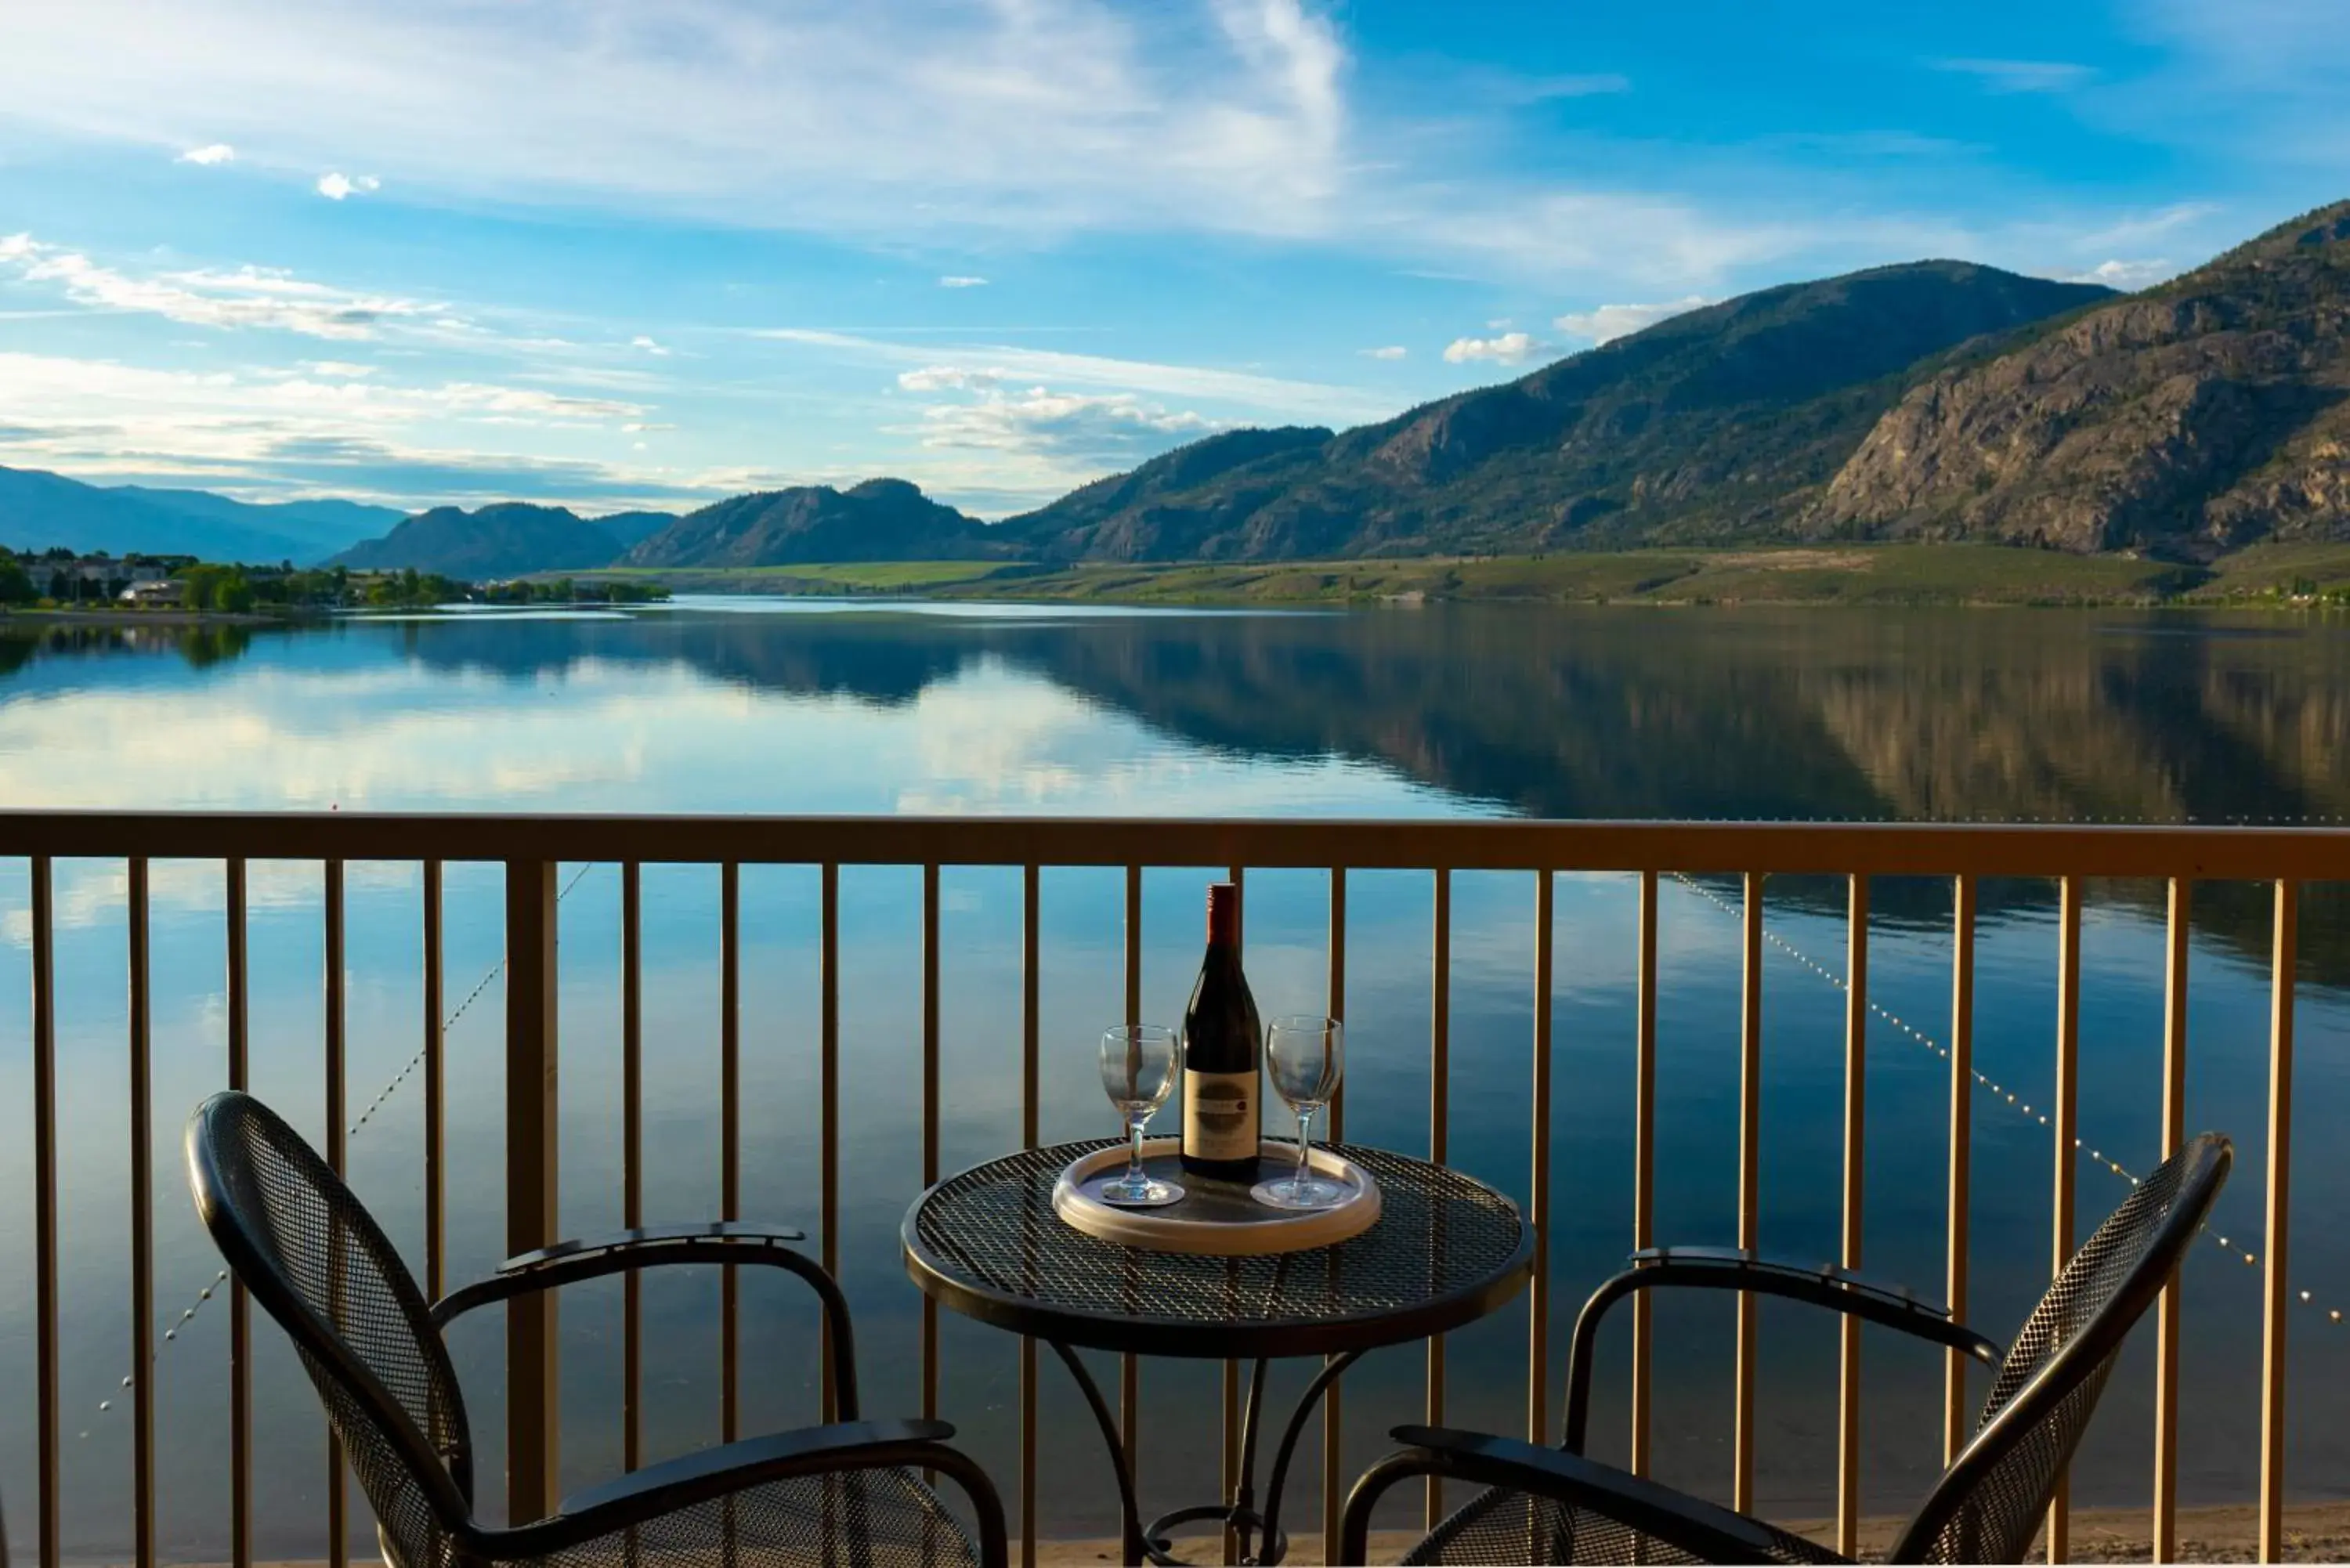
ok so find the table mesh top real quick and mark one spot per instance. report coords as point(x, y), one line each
point(1440, 1234)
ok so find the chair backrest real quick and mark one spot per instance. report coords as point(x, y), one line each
point(318, 1263)
point(1988, 1505)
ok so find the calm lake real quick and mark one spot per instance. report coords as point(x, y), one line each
point(791, 706)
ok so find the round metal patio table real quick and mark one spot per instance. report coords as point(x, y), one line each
point(1446, 1251)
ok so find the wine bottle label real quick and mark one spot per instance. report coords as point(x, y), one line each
point(1220, 1117)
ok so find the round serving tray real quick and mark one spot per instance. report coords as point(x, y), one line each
point(1215, 1217)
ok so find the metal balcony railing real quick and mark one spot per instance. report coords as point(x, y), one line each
point(531, 847)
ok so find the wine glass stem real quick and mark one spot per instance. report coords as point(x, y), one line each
point(1135, 1179)
point(1305, 1143)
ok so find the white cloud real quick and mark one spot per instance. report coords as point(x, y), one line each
point(912, 121)
point(264, 431)
point(948, 378)
point(337, 369)
point(334, 187)
point(1062, 435)
point(1094, 426)
point(1508, 349)
point(647, 346)
point(2129, 277)
point(1392, 352)
point(476, 397)
point(246, 297)
point(956, 281)
point(2020, 76)
point(996, 446)
point(1272, 395)
point(1612, 321)
point(218, 153)
point(1544, 89)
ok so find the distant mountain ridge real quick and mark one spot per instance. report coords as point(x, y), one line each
point(880, 520)
point(39, 510)
point(508, 539)
point(1933, 400)
point(1713, 424)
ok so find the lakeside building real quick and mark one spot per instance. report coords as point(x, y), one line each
point(159, 593)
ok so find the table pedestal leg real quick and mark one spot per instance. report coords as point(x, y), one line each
point(1129, 1516)
point(1274, 1540)
point(1150, 1543)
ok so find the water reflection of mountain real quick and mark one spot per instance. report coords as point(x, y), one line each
point(1638, 714)
point(885, 661)
point(1627, 713)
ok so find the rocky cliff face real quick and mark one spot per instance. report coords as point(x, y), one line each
point(2185, 421)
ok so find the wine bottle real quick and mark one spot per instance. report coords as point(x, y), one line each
point(1223, 1048)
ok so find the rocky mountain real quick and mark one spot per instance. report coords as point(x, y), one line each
point(1721, 423)
point(2183, 422)
point(506, 540)
point(880, 520)
point(39, 510)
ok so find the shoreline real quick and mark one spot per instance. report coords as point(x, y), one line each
point(180, 620)
point(2299, 579)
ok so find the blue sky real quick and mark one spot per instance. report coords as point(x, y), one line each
point(616, 252)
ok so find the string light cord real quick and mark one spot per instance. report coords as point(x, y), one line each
point(171, 1334)
point(1998, 1092)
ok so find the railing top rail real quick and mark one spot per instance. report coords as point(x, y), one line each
point(2214, 853)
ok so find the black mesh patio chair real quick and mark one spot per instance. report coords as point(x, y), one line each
point(316, 1263)
point(1553, 1505)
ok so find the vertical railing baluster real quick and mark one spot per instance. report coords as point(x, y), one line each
point(1961, 1192)
point(828, 1093)
point(2273, 1294)
point(1855, 1083)
point(331, 896)
point(1129, 1366)
point(929, 1118)
point(1750, 1183)
point(2174, 1136)
point(1231, 1450)
point(1440, 1121)
point(142, 1226)
point(2061, 1121)
point(1538, 1179)
point(730, 1140)
point(45, 1517)
point(533, 1416)
point(240, 1325)
point(1333, 1415)
point(436, 1086)
point(632, 1157)
point(1644, 1159)
point(1030, 1000)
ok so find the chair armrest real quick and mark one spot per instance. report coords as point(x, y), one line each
point(654, 1235)
point(730, 1243)
point(1705, 1530)
point(1732, 1268)
point(698, 1478)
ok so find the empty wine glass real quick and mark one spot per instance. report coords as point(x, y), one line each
point(1307, 1055)
point(1138, 1070)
